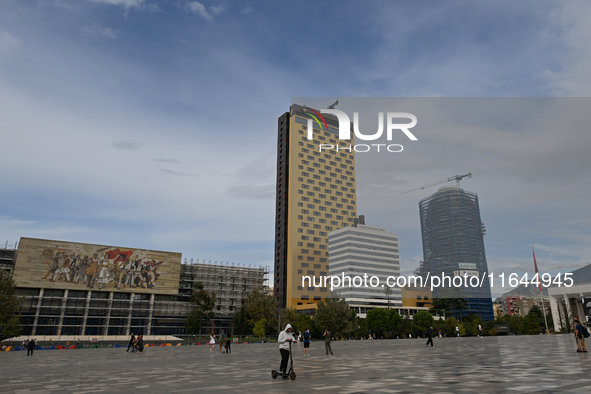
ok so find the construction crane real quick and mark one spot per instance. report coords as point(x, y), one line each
point(568, 266)
point(456, 178)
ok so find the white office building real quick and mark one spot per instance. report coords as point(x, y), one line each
point(364, 252)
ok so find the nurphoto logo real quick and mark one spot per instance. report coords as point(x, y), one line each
point(392, 124)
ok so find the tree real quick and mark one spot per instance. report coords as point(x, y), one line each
point(383, 320)
point(261, 306)
point(303, 322)
point(459, 304)
point(241, 326)
point(406, 326)
point(440, 306)
point(259, 328)
point(334, 313)
point(10, 304)
point(533, 322)
point(202, 312)
point(539, 316)
point(421, 320)
point(376, 319)
point(287, 316)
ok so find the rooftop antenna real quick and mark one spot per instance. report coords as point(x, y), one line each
point(333, 105)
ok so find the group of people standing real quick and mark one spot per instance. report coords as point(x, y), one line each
point(29, 344)
point(225, 342)
point(136, 344)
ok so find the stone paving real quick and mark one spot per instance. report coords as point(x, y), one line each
point(520, 364)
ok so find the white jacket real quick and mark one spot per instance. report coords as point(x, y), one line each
point(283, 337)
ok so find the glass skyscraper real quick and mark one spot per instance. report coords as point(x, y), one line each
point(453, 244)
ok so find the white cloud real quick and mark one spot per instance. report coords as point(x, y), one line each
point(98, 33)
point(216, 10)
point(573, 77)
point(123, 3)
point(199, 9)
point(8, 42)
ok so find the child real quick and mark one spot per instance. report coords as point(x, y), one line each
point(211, 340)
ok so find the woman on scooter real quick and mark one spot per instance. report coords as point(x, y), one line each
point(285, 337)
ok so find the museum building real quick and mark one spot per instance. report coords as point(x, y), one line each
point(77, 289)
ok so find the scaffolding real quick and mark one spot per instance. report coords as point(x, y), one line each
point(65, 312)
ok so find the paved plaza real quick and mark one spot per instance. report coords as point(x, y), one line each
point(522, 364)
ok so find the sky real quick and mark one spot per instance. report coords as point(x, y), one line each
point(152, 124)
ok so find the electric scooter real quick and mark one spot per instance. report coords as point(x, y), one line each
point(291, 374)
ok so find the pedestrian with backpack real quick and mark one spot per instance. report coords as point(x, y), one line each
point(307, 338)
point(581, 333)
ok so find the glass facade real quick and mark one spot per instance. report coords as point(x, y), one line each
point(453, 243)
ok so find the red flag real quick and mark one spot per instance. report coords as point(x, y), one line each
point(536, 265)
point(119, 255)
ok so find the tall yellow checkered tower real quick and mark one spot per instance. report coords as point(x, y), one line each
point(316, 194)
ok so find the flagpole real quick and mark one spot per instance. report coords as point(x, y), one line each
point(540, 288)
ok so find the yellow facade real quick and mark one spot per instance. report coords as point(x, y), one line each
point(322, 198)
point(417, 296)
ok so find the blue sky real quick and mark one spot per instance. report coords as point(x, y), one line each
point(152, 123)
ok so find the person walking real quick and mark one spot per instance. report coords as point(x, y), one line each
point(130, 344)
point(222, 341)
point(211, 340)
point(31, 347)
point(307, 338)
point(581, 332)
point(140, 343)
point(327, 339)
point(458, 332)
point(285, 337)
point(429, 334)
point(574, 328)
point(479, 331)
